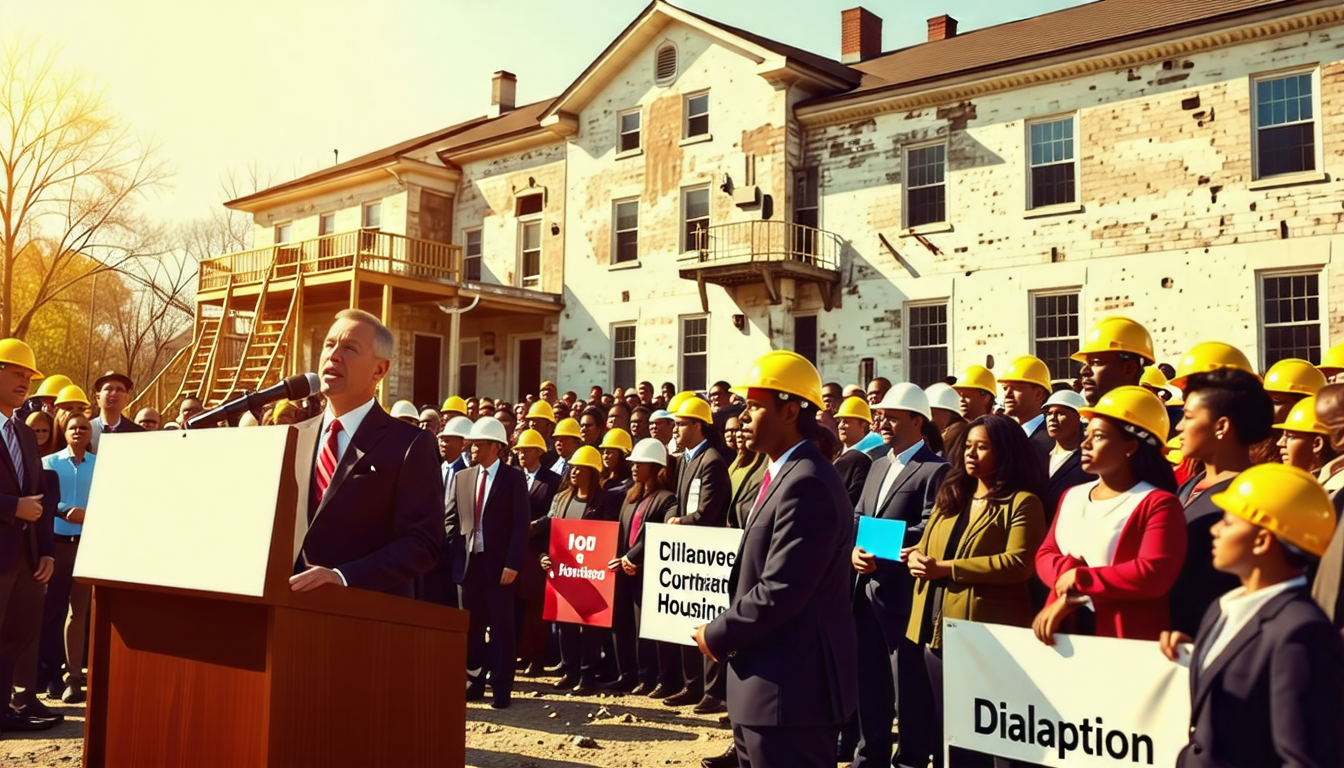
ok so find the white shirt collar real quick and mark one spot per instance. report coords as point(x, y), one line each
point(492, 470)
point(905, 456)
point(4, 420)
point(1239, 609)
point(1030, 425)
point(349, 422)
point(778, 464)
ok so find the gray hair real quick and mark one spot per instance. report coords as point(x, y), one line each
point(382, 337)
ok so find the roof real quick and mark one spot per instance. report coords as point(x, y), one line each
point(806, 58)
point(1074, 29)
point(514, 122)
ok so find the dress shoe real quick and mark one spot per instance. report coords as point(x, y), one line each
point(728, 721)
point(501, 703)
point(726, 760)
point(585, 688)
point(621, 684)
point(13, 721)
point(27, 705)
point(685, 697)
point(74, 694)
point(710, 705)
point(556, 670)
point(568, 681)
point(661, 691)
point(534, 669)
point(643, 689)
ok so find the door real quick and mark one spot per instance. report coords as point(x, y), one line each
point(528, 365)
point(428, 366)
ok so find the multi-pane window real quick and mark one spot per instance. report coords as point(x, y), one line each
point(471, 255)
point(697, 115)
point(694, 353)
point(626, 227)
point(1285, 126)
point(623, 356)
point(805, 212)
point(467, 367)
point(372, 216)
point(530, 253)
point(1055, 324)
point(805, 337)
point(926, 343)
point(1290, 313)
point(629, 126)
point(926, 185)
point(1053, 170)
point(284, 232)
point(695, 218)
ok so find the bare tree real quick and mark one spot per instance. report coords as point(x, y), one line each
point(149, 327)
point(71, 172)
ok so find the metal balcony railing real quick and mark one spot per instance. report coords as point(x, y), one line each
point(756, 241)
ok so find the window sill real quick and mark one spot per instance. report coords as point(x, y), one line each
point(696, 139)
point(1289, 179)
point(1052, 210)
point(624, 265)
point(629, 153)
point(927, 229)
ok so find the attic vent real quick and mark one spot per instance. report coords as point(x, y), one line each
point(665, 68)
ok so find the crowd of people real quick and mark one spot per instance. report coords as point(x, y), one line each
point(1173, 504)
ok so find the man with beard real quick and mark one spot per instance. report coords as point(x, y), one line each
point(1113, 354)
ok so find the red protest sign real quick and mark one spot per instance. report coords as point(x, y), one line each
point(579, 588)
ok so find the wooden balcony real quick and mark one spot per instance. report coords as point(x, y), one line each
point(764, 252)
point(376, 256)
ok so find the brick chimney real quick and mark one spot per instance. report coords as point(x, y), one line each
point(503, 87)
point(942, 27)
point(860, 35)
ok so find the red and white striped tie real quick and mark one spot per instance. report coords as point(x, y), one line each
point(326, 459)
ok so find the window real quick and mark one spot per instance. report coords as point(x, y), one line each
point(695, 219)
point(1290, 307)
point(926, 343)
point(697, 115)
point(626, 227)
point(805, 337)
point(528, 205)
point(665, 64)
point(326, 224)
point(1285, 127)
point(805, 212)
point(1053, 170)
point(1055, 331)
point(373, 215)
point(623, 356)
point(629, 127)
point(471, 255)
point(466, 367)
point(284, 232)
point(694, 353)
point(530, 253)
point(925, 185)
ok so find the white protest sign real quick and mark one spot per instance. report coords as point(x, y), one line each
point(686, 571)
point(1087, 701)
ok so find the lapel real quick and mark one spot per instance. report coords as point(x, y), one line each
point(9, 460)
point(907, 472)
point(684, 482)
point(364, 439)
point(466, 480)
point(775, 484)
point(1204, 679)
point(975, 527)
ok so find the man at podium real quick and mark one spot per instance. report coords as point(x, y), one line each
point(375, 504)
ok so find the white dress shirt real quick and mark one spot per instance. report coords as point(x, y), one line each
point(1238, 608)
point(478, 535)
point(898, 462)
point(691, 453)
point(1030, 425)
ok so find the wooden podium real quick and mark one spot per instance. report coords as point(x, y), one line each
point(201, 656)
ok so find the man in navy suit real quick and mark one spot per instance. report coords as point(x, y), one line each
point(485, 524)
point(787, 639)
point(438, 585)
point(901, 485)
point(376, 500)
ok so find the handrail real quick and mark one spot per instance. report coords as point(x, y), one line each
point(280, 339)
point(769, 241)
point(208, 375)
point(251, 337)
point(154, 384)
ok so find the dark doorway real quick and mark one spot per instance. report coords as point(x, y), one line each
point(529, 367)
point(428, 366)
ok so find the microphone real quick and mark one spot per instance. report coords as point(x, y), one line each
point(293, 388)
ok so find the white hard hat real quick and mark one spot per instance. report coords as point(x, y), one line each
point(905, 397)
point(458, 426)
point(404, 409)
point(942, 396)
point(661, 415)
point(1066, 398)
point(489, 428)
point(650, 450)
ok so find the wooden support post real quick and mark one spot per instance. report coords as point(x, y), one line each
point(385, 314)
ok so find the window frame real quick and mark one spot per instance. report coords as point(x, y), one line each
point(616, 232)
point(324, 217)
point(686, 117)
point(1322, 307)
point(1074, 367)
point(686, 245)
point(621, 133)
point(908, 349)
point(906, 188)
point(289, 235)
point(815, 317)
point(1032, 205)
point(1317, 150)
point(473, 342)
point(682, 354)
point(633, 326)
point(523, 279)
point(376, 205)
point(466, 252)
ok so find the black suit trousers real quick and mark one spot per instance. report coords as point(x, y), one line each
point(793, 747)
point(490, 605)
point(581, 650)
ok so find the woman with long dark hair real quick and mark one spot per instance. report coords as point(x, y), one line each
point(975, 558)
point(1117, 542)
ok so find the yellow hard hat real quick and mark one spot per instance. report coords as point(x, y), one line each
point(1027, 369)
point(586, 456)
point(855, 408)
point(1294, 376)
point(72, 395)
point(678, 399)
point(1135, 406)
point(454, 404)
point(619, 439)
point(1117, 334)
point(1174, 454)
point(1209, 356)
point(531, 438)
point(1285, 501)
point(787, 372)
point(978, 377)
point(1153, 377)
point(568, 428)
point(1334, 359)
point(541, 410)
point(53, 384)
point(1302, 418)
point(695, 408)
point(15, 352)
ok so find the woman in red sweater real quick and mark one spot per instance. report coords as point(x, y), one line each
point(1117, 543)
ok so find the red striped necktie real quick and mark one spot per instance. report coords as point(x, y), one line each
point(326, 459)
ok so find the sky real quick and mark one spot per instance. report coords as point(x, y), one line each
point(280, 84)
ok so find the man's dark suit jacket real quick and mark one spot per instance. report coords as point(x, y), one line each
point(15, 534)
point(1070, 474)
point(853, 467)
point(504, 519)
point(1272, 696)
point(787, 638)
point(716, 490)
point(1044, 444)
point(911, 499)
point(380, 522)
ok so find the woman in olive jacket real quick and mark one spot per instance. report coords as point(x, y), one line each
point(978, 550)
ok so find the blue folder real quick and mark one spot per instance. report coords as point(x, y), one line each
point(880, 537)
